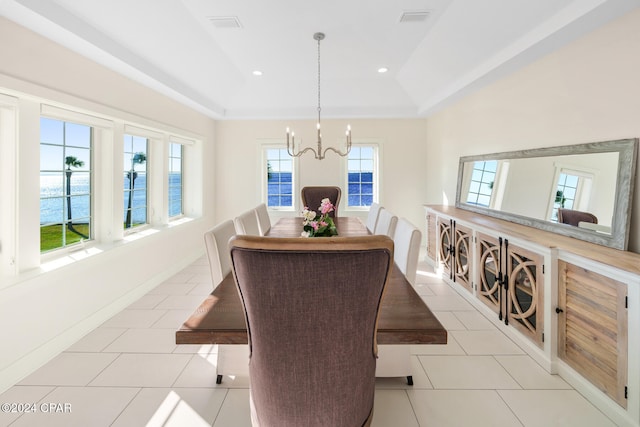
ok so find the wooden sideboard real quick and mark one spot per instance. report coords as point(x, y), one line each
point(573, 306)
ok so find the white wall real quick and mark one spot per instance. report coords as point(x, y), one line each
point(403, 150)
point(585, 92)
point(41, 313)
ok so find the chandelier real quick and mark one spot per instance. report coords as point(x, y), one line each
point(320, 153)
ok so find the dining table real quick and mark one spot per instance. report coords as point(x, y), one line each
point(404, 317)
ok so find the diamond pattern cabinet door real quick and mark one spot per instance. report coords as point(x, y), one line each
point(489, 286)
point(524, 296)
point(444, 245)
point(462, 253)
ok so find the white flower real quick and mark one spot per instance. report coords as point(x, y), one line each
point(308, 216)
point(305, 234)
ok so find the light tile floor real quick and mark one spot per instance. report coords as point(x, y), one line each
point(130, 372)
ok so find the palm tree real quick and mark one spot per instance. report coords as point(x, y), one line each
point(137, 159)
point(71, 161)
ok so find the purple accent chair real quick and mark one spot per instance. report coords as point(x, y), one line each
point(571, 217)
point(312, 197)
point(311, 328)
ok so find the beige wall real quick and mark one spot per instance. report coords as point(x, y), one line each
point(44, 312)
point(585, 92)
point(403, 176)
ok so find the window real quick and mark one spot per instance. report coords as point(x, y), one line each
point(65, 183)
point(175, 180)
point(482, 182)
point(135, 181)
point(279, 182)
point(362, 175)
point(572, 191)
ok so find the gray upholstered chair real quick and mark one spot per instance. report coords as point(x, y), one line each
point(216, 242)
point(386, 224)
point(407, 248)
point(372, 216)
point(230, 359)
point(263, 219)
point(312, 329)
point(571, 217)
point(312, 197)
point(247, 223)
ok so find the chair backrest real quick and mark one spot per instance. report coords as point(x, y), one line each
point(312, 329)
point(386, 224)
point(571, 217)
point(407, 248)
point(247, 223)
point(372, 217)
point(264, 222)
point(216, 241)
point(312, 198)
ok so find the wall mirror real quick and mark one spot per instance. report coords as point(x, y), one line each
point(582, 191)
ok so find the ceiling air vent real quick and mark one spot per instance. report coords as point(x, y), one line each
point(414, 16)
point(225, 21)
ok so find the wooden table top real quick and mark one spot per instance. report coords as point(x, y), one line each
point(404, 317)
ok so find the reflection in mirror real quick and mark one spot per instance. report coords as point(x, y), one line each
point(583, 191)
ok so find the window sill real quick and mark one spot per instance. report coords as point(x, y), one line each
point(67, 256)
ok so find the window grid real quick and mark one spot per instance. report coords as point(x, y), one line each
point(66, 216)
point(279, 178)
point(361, 176)
point(175, 180)
point(565, 193)
point(135, 181)
point(482, 181)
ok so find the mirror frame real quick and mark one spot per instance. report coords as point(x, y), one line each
point(628, 151)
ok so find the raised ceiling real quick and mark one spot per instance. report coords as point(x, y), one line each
point(203, 53)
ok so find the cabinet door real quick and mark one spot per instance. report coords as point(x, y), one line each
point(462, 256)
point(592, 328)
point(432, 236)
point(524, 296)
point(489, 289)
point(444, 240)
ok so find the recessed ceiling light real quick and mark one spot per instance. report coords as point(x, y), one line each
point(257, 73)
point(383, 70)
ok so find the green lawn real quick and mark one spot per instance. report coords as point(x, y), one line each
point(51, 235)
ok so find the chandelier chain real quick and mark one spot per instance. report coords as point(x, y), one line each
point(319, 79)
point(320, 152)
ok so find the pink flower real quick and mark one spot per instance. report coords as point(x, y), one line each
point(326, 206)
point(323, 224)
point(315, 225)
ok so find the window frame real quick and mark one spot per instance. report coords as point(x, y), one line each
point(377, 161)
point(91, 192)
point(134, 133)
point(171, 143)
point(264, 183)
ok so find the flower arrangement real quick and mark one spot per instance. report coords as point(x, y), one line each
point(319, 225)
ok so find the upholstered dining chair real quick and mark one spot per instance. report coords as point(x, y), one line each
point(571, 217)
point(407, 249)
point(216, 243)
point(312, 329)
point(312, 198)
point(264, 222)
point(386, 224)
point(230, 359)
point(247, 223)
point(372, 216)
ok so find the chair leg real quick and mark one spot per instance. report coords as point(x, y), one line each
point(219, 379)
point(410, 379)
